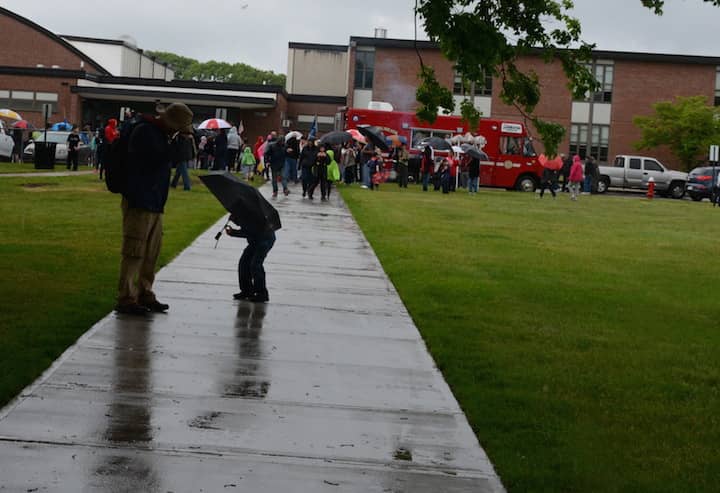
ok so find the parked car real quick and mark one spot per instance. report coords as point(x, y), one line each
point(635, 171)
point(6, 143)
point(60, 138)
point(700, 182)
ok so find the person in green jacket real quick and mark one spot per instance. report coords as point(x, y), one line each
point(247, 162)
point(333, 174)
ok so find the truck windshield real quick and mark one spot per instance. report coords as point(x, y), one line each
point(529, 149)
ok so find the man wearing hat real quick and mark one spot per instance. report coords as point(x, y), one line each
point(148, 165)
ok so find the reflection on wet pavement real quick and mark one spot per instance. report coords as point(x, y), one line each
point(247, 377)
point(129, 414)
point(329, 387)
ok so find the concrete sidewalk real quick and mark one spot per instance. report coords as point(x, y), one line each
point(329, 387)
point(40, 174)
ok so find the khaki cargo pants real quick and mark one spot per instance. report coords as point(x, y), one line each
point(142, 238)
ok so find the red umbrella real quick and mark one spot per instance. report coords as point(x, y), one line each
point(214, 124)
point(22, 124)
point(357, 135)
point(553, 164)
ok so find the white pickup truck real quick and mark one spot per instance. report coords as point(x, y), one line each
point(635, 171)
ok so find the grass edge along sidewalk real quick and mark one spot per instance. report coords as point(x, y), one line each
point(59, 260)
point(579, 338)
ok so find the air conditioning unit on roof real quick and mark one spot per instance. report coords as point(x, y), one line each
point(380, 106)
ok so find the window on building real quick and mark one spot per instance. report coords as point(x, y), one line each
point(483, 87)
point(578, 140)
point(599, 142)
point(27, 100)
point(717, 86)
point(364, 69)
point(604, 75)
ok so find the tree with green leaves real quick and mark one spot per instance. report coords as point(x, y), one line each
point(239, 73)
point(491, 35)
point(688, 126)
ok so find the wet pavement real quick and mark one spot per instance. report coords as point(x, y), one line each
point(329, 387)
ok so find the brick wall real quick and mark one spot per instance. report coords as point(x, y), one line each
point(396, 75)
point(20, 40)
point(68, 105)
point(555, 100)
point(638, 85)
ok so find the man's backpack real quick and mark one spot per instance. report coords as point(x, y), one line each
point(116, 155)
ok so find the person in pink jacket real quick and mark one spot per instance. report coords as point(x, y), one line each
point(576, 177)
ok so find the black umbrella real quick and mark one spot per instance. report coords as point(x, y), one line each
point(436, 143)
point(474, 152)
point(375, 137)
point(246, 205)
point(335, 138)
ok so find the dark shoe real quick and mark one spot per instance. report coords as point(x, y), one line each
point(274, 194)
point(259, 298)
point(242, 295)
point(156, 306)
point(286, 192)
point(132, 309)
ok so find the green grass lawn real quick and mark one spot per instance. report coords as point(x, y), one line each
point(581, 339)
point(59, 262)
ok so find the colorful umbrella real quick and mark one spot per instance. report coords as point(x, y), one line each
point(61, 126)
point(553, 164)
point(214, 124)
point(24, 124)
point(395, 140)
point(293, 135)
point(357, 135)
point(10, 114)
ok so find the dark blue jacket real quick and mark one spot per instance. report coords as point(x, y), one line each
point(275, 155)
point(149, 165)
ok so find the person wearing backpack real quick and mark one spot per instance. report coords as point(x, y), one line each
point(147, 164)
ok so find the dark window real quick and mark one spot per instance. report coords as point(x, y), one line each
point(652, 166)
point(483, 87)
point(717, 86)
point(419, 134)
point(604, 75)
point(364, 69)
point(579, 140)
point(634, 163)
point(512, 146)
point(600, 138)
point(619, 162)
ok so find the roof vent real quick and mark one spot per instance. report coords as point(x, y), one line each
point(128, 40)
point(380, 32)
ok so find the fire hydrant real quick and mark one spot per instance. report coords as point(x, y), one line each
point(651, 188)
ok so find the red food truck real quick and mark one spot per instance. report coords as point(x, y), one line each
point(512, 162)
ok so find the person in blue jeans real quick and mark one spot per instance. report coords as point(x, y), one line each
point(590, 171)
point(251, 271)
point(185, 152)
point(292, 153)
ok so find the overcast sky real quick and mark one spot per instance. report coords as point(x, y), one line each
point(257, 31)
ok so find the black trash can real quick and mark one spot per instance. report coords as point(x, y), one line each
point(44, 157)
